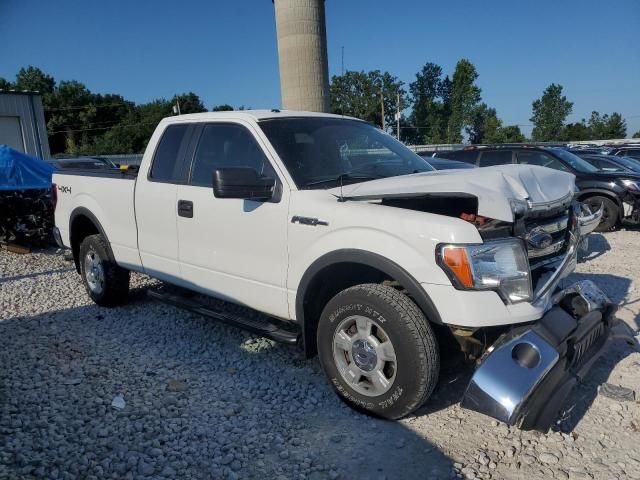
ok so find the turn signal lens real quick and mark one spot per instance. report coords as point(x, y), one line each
point(456, 259)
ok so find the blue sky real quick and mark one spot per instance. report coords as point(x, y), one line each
point(225, 51)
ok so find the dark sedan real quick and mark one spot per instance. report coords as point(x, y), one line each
point(83, 163)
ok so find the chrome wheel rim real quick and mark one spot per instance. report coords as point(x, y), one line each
point(93, 272)
point(364, 355)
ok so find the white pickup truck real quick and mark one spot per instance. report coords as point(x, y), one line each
point(334, 234)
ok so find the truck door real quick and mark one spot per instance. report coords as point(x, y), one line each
point(155, 203)
point(232, 248)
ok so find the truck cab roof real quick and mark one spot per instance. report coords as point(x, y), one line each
point(253, 115)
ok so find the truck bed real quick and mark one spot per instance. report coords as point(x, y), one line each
point(108, 195)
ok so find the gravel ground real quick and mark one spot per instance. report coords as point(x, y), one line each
point(204, 400)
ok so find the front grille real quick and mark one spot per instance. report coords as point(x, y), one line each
point(553, 227)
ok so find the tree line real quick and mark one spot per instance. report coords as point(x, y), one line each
point(448, 109)
point(436, 108)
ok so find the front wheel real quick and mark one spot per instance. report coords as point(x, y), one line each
point(106, 283)
point(610, 212)
point(378, 350)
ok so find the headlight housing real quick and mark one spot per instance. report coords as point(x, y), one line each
point(500, 265)
point(630, 185)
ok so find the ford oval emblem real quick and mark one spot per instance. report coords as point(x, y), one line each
point(539, 239)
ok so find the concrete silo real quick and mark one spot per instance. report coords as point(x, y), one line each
point(302, 54)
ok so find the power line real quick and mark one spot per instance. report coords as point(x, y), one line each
point(93, 105)
point(104, 128)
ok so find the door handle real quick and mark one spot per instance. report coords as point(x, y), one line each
point(185, 208)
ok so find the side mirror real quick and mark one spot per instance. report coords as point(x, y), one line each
point(242, 182)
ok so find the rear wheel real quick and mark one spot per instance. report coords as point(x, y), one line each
point(106, 283)
point(378, 350)
point(610, 212)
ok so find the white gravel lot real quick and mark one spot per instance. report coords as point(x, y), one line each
point(204, 400)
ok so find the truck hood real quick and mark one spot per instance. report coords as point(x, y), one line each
point(494, 187)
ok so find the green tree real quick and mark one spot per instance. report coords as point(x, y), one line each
point(225, 107)
point(70, 116)
point(427, 122)
point(5, 84)
point(512, 134)
point(485, 125)
point(189, 103)
point(34, 79)
point(358, 94)
point(637, 134)
point(549, 113)
point(616, 127)
point(577, 131)
point(465, 96)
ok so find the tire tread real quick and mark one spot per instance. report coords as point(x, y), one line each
point(418, 327)
point(116, 289)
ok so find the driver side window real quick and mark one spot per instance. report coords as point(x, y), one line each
point(541, 159)
point(227, 145)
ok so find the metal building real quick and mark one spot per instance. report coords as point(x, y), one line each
point(302, 54)
point(22, 124)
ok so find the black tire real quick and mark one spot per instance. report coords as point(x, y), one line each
point(115, 279)
point(417, 363)
point(610, 214)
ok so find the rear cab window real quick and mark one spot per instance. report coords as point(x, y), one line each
point(168, 160)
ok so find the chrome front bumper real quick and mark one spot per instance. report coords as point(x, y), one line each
point(525, 376)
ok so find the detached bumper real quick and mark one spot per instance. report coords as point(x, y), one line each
point(525, 377)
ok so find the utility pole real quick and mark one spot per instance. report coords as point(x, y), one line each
point(398, 115)
point(176, 107)
point(382, 108)
point(342, 61)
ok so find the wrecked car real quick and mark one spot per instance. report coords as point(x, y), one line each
point(328, 232)
point(26, 210)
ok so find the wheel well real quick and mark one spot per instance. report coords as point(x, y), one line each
point(81, 227)
point(325, 285)
point(582, 197)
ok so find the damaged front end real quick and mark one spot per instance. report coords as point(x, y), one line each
point(524, 377)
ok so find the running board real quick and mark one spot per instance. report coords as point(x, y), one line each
point(265, 327)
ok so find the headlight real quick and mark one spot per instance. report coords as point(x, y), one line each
point(500, 265)
point(630, 185)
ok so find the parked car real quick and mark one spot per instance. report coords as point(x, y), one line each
point(336, 235)
point(618, 194)
point(612, 164)
point(83, 163)
point(446, 164)
point(590, 150)
point(632, 151)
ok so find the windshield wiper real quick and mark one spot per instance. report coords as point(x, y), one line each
point(345, 177)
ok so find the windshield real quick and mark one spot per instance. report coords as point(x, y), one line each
point(321, 152)
point(630, 163)
point(575, 161)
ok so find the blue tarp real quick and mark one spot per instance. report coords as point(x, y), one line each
point(22, 172)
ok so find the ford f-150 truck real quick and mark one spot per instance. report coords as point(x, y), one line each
point(338, 236)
